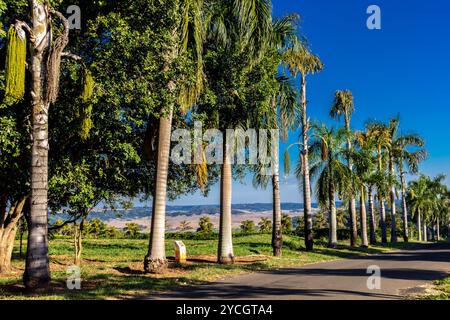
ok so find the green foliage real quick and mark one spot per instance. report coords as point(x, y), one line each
point(205, 226)
point(132, 230)
point(248, 226)
point(15, 64)
point(286, 223)
point(265, 225)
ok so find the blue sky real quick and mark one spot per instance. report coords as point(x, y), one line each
point(402, 68)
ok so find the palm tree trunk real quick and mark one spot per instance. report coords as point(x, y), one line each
point(425, 232)
point(37, 273)
point(352, 202)
point(419, 226)
point(155, 261)
point(332, 240)
point(382, 219)
point(277, 239)
point(225, 252)
point(363, 219)
point(372, 227)
point(404, 208)
point(438, 230)
point(393, 207)
point(307, 209)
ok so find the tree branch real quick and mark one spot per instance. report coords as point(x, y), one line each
point(21, 27)
point(71, 56)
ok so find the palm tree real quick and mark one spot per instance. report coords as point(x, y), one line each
point(327, 153)
point(238, 26)
point(343, 105)
point(380, 137)
point(420, 201)
point(299, 60)
point(411, 159)
point(282, 115)
point(284, 108)
point(365, 161)
point(191, 36)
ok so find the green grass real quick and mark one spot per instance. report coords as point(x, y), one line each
point(112, 268)
point(440, 291)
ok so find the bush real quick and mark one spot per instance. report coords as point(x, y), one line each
point(265, 225)
point(247, 226)
point(205, 226)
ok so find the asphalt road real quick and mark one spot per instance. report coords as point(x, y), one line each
point(402, 273)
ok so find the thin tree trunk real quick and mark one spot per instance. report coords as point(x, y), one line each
point(225, 252)
point(372, 227)
point(307, 209)
point(37, 273)
point(382, 219)
point(78, 241)
point(393, 207)
point(8, 231)
point(332, 240)
point(404, 208)
point(363, 219)
point(352, 202)
point(277, 239)
point(155, 261)
point(438, 230)
point(425, 232)
point(419, 226)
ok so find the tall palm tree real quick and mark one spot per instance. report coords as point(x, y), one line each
point(237, 26)
point(366, 174)
point(188, 32)
point(404, 157)
point(327, 153)
point(420, 200)
point(300, 61)
point(380, 137)
point(343, 105)
point(282, 116)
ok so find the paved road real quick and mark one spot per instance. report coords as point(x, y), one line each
point(342, 279)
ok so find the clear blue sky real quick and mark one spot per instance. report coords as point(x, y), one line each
point(402, 68)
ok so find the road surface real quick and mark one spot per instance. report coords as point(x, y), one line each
point(402, 273)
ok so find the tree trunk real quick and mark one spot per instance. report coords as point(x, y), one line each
point(277, 239)
point(307, 209)
point(37, 273)
point(404, 208)
point(372, 227)
point(352, 202)
point(225, 253)
point(438, 230)
point(393, 207)
point(155, 261)
point(382, 219)
point(363, 219)
point(419, 226)
point(332, 240)
point(78, 241)
point(8, 228)
point(425, 232)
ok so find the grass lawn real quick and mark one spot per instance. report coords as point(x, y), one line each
point(439, 291)
point(112, 268)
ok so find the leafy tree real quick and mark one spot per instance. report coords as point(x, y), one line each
point(184, 226)
point(247, 226)
point(286, 223)
point(265, 225)
point(205, 226)
point(132, 230)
